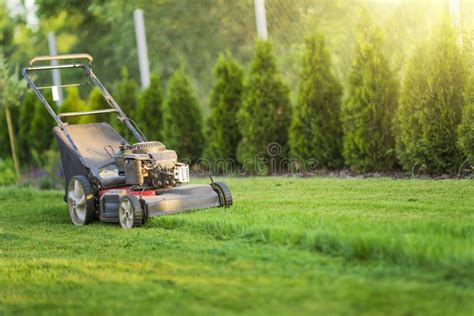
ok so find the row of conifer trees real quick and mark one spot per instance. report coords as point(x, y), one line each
point(424, 122)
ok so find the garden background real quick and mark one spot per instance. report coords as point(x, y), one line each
point(365, 86)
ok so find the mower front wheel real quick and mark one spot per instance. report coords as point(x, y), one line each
point(223, 191)
point(80, 200)
point(131, 213)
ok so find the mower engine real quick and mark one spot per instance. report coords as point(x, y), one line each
point(150, 165)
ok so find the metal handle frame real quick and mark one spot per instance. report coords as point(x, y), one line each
point(115, 108)
point(61, 57)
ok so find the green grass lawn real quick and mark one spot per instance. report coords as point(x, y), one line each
point(287, 246)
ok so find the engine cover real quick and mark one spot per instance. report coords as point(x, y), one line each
point(150, 165)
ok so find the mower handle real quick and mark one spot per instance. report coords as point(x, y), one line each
point(61, 57)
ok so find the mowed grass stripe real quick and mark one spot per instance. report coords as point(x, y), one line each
point(410, 222)
point(165, 271)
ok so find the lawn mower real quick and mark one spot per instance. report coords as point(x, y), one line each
point(109, 179)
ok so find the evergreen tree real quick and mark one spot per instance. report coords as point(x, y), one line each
point(266, 111)
point(95, 101)
point(315, 130)
point(40, 134)
point(182, 128)
point(125, 94)
point(368, 142)
point(413, 100)
point(222, 129)
point(466, 129)
point(26, 115)
point(431, 105)
point(72, 103)
point(149, 114)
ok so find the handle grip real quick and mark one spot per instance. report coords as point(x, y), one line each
point(61, 57)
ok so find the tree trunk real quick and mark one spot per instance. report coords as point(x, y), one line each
point(11, 135)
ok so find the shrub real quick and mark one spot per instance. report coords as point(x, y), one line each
point(222, 129)
point(431, 105)
point(5, 149)
point(7, 172)
point(368, 142)
point(26, 116)
point(149, 114)
point(72, 103)
point(315, 130)
point(182, 118)
point(466, 129)
point(266, 111)
point(4, 142)
point(40, 134)
point(95, 101)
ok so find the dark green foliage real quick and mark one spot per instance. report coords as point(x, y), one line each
point(266, 112)
point(26, 116)
point(4, 141)
point(72, 103)
point(125, 94)
point(466, 129)
point(95, 101)
point(368, 143)
point(149, 114)
point(222, 130)
point(315, 130)
point(431, 106)
point(5, 150)
point(182, 121)
point(413, 101)
point(40, 136)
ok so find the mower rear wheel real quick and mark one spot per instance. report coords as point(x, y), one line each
point(131, 213)
point(223, 191)
point(80, 200)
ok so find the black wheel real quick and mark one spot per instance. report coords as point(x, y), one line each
point(80, 200)
point(223, 191)
point(130, 212)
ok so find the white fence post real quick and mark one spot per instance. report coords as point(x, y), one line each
point(142, 50)
point(53, 50)
point(261, 19)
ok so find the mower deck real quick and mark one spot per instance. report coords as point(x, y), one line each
point(160, 202)
point(180, 199)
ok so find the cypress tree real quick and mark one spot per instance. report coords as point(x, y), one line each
point(95, 101)
point(40, 134)
point(431, 105)
point(266, 111)
point(466, 129)
point(149, 114)
point(367, 114)
point(125, 94)
point(26, 115)
point(182, 121)
point(408, 128)
point(72, 103)
point(222, 129)
point(315, 130)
